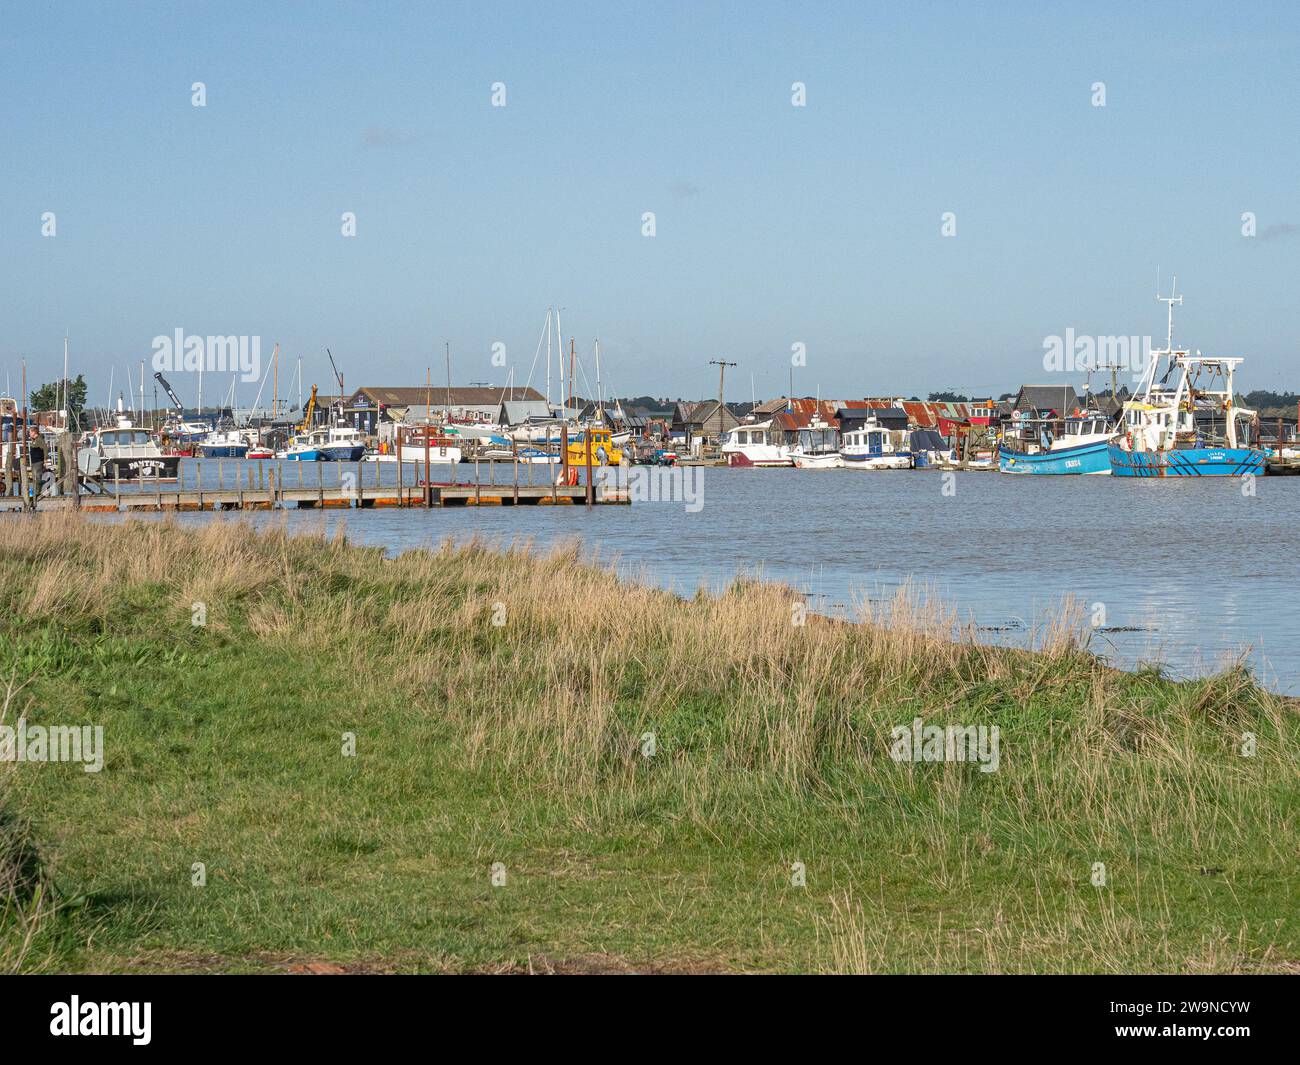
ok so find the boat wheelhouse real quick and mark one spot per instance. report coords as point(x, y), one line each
point(755, 444)
point(599, 441)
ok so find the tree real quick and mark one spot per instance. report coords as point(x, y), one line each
point(946, 397)
point(48, 397)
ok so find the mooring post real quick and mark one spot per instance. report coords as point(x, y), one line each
point(564, 457)
point(591, 485)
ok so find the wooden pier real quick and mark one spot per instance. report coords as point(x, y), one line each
point(209, 485)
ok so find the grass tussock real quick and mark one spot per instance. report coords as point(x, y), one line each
point(614, 741)
point(24, 878)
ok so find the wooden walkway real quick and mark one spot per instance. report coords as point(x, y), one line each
point(461, 495)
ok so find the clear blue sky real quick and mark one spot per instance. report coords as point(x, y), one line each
point(775, 224)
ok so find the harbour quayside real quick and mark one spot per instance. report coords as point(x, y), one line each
point(1191, 427)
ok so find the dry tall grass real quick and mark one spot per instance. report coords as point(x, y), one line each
point(24, 880)
point(551, 670)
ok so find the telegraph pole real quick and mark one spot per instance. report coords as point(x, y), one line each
point(722, 373)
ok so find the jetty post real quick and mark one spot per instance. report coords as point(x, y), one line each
point(591, 485)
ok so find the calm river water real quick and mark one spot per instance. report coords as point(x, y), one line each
point(1191, 572)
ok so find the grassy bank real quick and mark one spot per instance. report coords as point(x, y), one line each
point(500, 704)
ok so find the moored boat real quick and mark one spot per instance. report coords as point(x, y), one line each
point(598, 441)
point(416, 442)
point(817, 447)
point(1192, 428)
point(755, 444)
point(1044, 443)
point(126, 453)
point(222, 444)
point(873, 447)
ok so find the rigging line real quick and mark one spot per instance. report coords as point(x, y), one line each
point(546, 332)
point(258, 400)
point(584, 380)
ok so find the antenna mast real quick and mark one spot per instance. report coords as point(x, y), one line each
point(1171, 299)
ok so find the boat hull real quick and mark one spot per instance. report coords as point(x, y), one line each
point(763, 455)
point(341, 452)
point(159, 468)
point(897, 461)
point(221, 451)
point(1091, 458)
point(832, 461)
point(1187, 462)
point(436, 454)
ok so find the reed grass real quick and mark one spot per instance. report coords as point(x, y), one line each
point(502, 702)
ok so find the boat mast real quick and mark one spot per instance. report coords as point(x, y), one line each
point(447, 413)
point(600, 393)
point(559, 352)
point(549, 408)
point(1168, 352)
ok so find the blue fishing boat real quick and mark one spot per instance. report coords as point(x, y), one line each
point(1187, 462)
point(1043, 442)
point(1087, 458)
point(1187, 423)
point(222, 444)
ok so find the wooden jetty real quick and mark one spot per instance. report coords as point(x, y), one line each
point(268, 485)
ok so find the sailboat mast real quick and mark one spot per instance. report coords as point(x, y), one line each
point(600, 391)
point(559, 351)
point(549, 408)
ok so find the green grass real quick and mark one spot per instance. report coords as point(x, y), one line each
point(520, 744)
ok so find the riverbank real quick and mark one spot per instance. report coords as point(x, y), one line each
point(555, 769)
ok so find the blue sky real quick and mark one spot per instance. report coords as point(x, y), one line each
point(775, 225)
